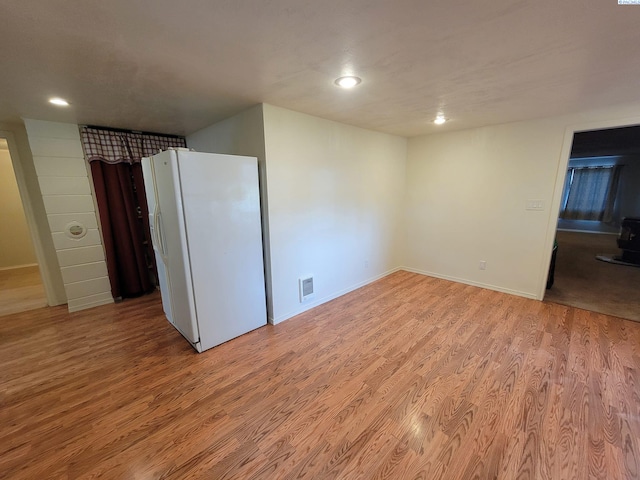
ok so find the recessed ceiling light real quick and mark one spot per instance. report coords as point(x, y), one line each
point(61, 102)
point(440, 120)
point(348, 82)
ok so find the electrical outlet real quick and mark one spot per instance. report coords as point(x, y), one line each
point(483, 265)
point(366, 264)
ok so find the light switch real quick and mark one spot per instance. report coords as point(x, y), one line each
point(535, 205)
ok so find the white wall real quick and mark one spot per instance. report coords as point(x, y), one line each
point(467, 192)
point(64, 183)
point(348, 205)
point(335, 206)
point(16, 249)
point(242, 134)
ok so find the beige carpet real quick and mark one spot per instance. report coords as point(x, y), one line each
point(21, 290)
point(584, 282)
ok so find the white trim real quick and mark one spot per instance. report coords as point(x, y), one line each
point(563, 164)
point(16, 267)
point(471, 282)
point(330, 297)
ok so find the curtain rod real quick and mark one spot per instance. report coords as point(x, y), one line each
point(124, 130)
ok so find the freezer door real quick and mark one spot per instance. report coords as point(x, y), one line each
point(222, 213)
point(172, 244)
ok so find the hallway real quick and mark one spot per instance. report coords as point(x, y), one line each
point(21, 289)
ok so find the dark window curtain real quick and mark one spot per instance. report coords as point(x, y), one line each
point(592, 193)
point(114, 158)
point(609, 211)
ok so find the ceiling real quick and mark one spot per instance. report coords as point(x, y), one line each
point(175, 67)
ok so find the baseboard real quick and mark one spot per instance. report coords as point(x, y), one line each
point(15, 267)
point(310, 305)
point(471, 282)
point(89, 302)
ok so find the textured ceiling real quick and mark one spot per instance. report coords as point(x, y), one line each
point(176, 67)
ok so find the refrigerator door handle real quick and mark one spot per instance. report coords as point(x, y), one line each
point(154, 232)
point(160, 234)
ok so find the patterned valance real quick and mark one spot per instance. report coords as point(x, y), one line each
point(111, 146)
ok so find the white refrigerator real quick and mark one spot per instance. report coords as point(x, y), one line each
point(204, 214)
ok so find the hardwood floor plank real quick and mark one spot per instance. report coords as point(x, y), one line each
point(408, 377)
point(21, 290)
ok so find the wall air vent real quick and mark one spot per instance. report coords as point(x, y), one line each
point(306, 288)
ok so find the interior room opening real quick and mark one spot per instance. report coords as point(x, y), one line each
point(21, 287)
point(596, 259)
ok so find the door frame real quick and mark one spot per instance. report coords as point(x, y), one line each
point(563, 164)
point(27, 206)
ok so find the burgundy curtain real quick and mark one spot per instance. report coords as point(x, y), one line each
point(115, 158)
point(125, 225)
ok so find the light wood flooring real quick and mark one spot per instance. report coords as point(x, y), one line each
point(410, 377)
point(21, 289)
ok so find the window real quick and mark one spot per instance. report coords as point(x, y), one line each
point(590, 193)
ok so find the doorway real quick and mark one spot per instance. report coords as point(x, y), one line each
point(21, 287)
point(587, 274)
